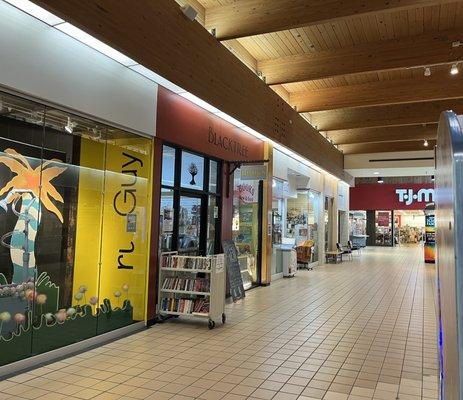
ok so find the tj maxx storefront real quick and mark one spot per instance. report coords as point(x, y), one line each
point(383, 214)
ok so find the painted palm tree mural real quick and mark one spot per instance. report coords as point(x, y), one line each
point(32, 187)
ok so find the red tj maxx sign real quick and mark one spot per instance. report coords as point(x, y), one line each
point(391, 196)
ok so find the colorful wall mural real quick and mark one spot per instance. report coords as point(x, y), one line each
point(74, 230)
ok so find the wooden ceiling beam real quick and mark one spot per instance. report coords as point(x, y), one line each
point(380, 116)
point(388, 134)
point(252, 17)
point(157, 35)
point(435, 87)
point(385, 147)
point(427, 49)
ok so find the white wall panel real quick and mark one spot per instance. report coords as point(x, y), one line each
point(44, 63)
point(282, 162)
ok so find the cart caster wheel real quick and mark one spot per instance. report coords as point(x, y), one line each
point(211, 324)
point(224, 318)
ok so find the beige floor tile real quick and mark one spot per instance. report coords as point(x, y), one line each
point(243, 390)
point(352, 328)
point(263, 394)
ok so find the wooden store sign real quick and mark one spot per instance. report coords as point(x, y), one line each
point(183, 123)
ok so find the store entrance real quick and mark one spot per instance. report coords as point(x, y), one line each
point(409, 226)
point(189, 232)
point(247, 228)
point(190, 203)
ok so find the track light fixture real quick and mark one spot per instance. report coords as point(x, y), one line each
point(454, 70)
point(432, 178)
point(380, 180)
point(69, 127)
point(425, 143)
point(427, 71)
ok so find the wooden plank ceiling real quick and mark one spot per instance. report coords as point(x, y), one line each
point(355, 69)
point(157, 35)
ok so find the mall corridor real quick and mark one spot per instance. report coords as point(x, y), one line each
point(358, 330)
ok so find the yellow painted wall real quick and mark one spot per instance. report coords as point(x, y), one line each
point(99, 225)
point(89, 212)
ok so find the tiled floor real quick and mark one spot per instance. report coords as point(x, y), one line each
point(358, 330)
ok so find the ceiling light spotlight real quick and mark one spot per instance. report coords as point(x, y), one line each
point(425, 143)
point(189, 12)
point(454, 70)
point(376, 173)
point(432, 178)
point(427, 71)
point(69, 127)
point(380, 180)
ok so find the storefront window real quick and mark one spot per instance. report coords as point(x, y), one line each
point(168, 166)
point(297, 217)
point(212, 217)
point(383, 224)
point(189, 225)
point(213, 170)
point(192, 172)
point(328, 215)
point(75, 203)
point(313, 222)
point(246, 227)
point(358, 228)
point(166, 219)
point(190, 203)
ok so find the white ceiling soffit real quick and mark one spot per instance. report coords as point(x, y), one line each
point(385, 172)
point(410, 163)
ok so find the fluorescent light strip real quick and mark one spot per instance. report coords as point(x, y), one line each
point(153, 76)
point(83, 37)
point(38, 12)
point(203, 104)
point(232, 120)
point(94, 43)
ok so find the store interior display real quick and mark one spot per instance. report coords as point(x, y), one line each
point(295, 221)
point(383, 228)
point(358, 228)
point(74, 201)
point(409, 226)
point(245, 228)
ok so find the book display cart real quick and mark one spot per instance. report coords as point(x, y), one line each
point(192, 286)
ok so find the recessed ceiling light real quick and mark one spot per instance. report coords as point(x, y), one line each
point(375, 173)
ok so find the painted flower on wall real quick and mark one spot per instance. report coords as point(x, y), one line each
point(34, 188)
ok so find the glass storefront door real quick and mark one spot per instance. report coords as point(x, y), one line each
point(247, 228)
point(74, 220)
point(384, 226)
point(189, 225)
point(190, 203)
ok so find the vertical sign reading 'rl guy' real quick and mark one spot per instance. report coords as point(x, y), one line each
point(235, 281)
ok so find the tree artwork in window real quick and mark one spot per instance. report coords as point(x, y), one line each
point(193, 170)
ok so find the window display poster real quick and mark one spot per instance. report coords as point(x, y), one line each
point(383, 218)
point(168, 220)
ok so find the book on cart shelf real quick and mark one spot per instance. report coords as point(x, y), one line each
point(192, 286)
